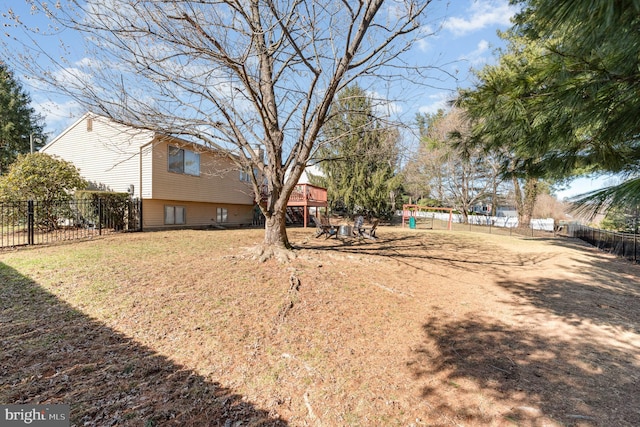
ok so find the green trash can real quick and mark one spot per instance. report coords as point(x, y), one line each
point(412, 222)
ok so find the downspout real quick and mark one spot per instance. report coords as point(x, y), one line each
point(140, 176)
point(140, 190)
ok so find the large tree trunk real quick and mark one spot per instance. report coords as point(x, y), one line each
point(517, 193)
point(530, 196)
point(465, 216)
point(275, 230)
point(276, 242)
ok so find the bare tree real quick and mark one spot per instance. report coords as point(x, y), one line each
point(548, 206)
point(460, 174)
point(233, 74)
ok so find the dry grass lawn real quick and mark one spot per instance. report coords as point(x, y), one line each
point(418, 328)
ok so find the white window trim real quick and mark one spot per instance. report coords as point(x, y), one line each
point(174, 208)
point(222, 215)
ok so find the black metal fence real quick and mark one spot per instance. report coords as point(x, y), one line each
point(37, 222)
point(621, 244)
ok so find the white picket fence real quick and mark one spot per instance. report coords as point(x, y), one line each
point(542, 224)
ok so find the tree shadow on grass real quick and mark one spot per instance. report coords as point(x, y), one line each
point(605, 297)
point(54, 354)
point(543, 380)
point(434, 248)
point(572, 359)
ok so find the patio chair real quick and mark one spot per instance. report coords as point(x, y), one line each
point(323, 227)
point(371, 233)
point(359, 230)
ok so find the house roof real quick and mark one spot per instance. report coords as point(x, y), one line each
point(153, 135)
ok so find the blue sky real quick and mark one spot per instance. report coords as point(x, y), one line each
point(465, 37)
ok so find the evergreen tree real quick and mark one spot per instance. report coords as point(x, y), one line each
point(508, 108)
point(19, 123)
point(595, 70)
point(588, 70)
point(563, 98)
point(358, 157)
point(621, 219)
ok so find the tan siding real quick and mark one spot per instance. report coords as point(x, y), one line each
point(197, 214)
point(219, 181)
point(146, 176)
point(107, 156)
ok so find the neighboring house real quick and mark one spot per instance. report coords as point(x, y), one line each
point(180, 183)
point(481, 209)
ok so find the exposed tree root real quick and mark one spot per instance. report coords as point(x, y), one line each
point(289, 302)
point(292, 297)
point(312, 414)
point(264, 253)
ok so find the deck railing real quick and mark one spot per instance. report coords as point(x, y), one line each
point(309, 193)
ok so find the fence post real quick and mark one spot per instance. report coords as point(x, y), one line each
point(99, 216)
point(140, 214)
point(30, 223)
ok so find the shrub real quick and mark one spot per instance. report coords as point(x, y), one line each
point(48, 180)
point(103, 207)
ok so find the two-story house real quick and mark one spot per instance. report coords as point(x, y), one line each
point(180, 183)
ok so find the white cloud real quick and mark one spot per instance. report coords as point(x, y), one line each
point(72, 77)
point(58, 115)
point(89, 63)
point(382, 106)
point(423, 45)
point(477, 56)
point(482, 14)
point(425, 32)
point(440, 102)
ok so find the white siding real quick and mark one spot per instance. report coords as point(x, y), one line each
point(108, 155)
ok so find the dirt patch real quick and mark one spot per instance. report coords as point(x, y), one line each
point(419, 327)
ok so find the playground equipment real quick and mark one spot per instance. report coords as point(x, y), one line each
point(411, 213)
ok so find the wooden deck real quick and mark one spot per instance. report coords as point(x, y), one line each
point(308, 196)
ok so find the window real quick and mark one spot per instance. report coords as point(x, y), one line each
point(244, 176)
point(184, 161)
point(174, 215)
point(221, 214)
